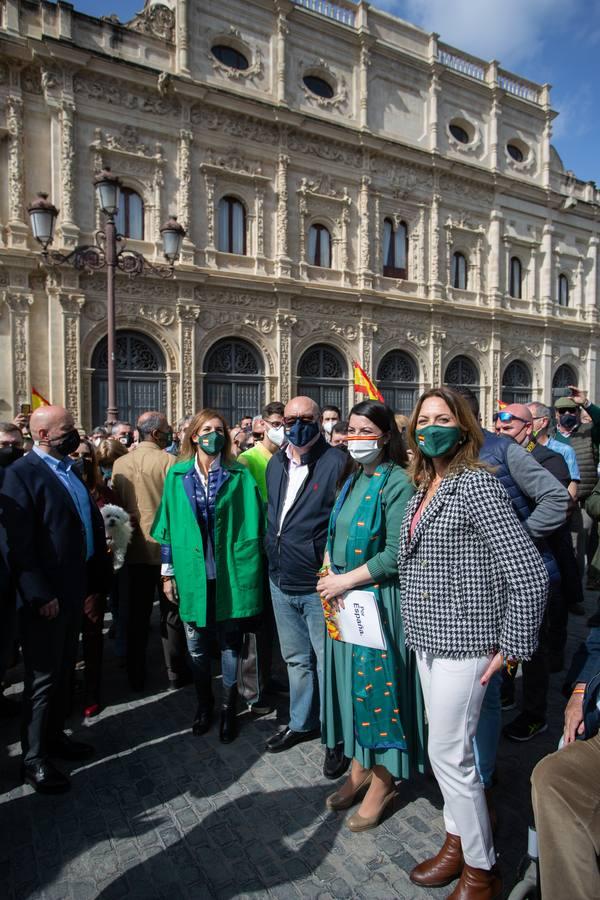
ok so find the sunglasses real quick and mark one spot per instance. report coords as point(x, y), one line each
point(507, 417)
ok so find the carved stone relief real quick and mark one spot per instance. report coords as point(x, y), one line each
point(155, 19)
point(116, 93)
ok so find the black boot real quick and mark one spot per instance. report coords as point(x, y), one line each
point(205, 707)
point(228, 729)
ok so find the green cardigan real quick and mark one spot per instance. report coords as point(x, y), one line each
point(239, 528)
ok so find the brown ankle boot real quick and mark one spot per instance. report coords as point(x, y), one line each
point(443, 868)
point(478, 884)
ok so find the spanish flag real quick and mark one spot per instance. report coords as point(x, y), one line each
point(37, 400)
point(501, 404)
point(364, 385)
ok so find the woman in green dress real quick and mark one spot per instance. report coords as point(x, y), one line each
point(372, 700)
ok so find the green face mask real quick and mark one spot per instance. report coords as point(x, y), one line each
point(212, 443)
point(437, 440)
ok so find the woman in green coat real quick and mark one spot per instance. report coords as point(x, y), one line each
point(372, 698)
point(210, 526)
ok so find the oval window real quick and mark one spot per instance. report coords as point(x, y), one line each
point(229, 56)
point(318, 86)
point(459, 133)
point(516, 152)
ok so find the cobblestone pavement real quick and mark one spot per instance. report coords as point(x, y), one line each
point(159, 813)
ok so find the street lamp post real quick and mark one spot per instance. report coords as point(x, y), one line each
point(109, 251)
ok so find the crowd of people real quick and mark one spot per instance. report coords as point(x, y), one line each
point(472, 542)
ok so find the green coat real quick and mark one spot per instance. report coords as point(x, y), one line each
point(239, 528)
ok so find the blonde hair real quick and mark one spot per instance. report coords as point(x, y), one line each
point(467, 452)
point(188, 449)
point(108, 451)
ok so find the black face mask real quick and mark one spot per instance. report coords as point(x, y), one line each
point(126, 439)
point(10, 455)
point(68, 443)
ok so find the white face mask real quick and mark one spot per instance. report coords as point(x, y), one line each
point(364, 451)
point(277, 435)
point(328, 426)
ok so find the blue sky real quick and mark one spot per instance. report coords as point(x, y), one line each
point(555, 41)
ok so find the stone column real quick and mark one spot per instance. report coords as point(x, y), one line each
point(547, 271)
point(285, 324)
point(437, 345)
point(421, 251)
point(71, 305)
point(579, 292)
point(284, 263)
point(345, 221)
point(434, 92)
point(181, 30)
point(494, 263)
point(377, 261)
point(210, 251)
point(366, 275)
point(368, 330)
point(184, 193)
point(436, 287)
point(17, 228)
point(282, 32)
point(19, 303)
point(69, 230)
point(302, 214)
point(259, 213)
point(187, 316)
point(593, 281)
point(363, 90)
point(547, 138)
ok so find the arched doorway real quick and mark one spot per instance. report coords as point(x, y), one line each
point(516, 383)
point(563, 377)
point(141, 379)
point(462, 372)
point(234, 382)
point(397, 380)
point(322, 375)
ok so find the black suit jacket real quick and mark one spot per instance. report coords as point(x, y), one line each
point(7, 594)
point(42, 538)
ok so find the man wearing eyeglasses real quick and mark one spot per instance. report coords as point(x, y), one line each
point(301, 485)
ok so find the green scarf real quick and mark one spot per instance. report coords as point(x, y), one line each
point(377, 722)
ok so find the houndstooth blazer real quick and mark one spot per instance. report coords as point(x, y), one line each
point(471, 579)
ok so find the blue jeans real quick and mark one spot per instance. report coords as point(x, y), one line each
point(301, 628)
point(198, 644)
point(486, 740)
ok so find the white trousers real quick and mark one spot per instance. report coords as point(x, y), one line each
point(453, 696)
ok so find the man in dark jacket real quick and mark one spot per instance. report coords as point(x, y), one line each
point(516, 421)
point(11, 449)
point(301, 486)
point(54, 544)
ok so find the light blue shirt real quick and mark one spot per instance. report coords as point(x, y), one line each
point(569, 455)
point(79, 494)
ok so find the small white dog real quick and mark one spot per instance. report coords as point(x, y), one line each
point(118, 532)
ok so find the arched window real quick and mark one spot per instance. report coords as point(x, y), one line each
point(516, 275)
point(462, 372)
point(319, 246)
point(563, 290)
point(459, 271)
point(232, 226)
point(516, 383)
point(141, 378)
point(563, 377)
point(322, 375)
point(397, 379)
point(130, 218)
point(395, 249)
point(234, 381)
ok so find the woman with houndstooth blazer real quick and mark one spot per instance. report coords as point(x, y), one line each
point(473, 589)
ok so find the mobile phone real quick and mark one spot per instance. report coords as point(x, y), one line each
point(561, 392)
point(25, 409)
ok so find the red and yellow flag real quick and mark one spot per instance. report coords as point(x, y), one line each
point(37, 400)
point(364, 385)
point(501, 404)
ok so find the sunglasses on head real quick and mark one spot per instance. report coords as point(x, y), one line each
point(507, 417)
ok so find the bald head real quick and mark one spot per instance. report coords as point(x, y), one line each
point(520, 425)
point(302, 406)
point(50, 421)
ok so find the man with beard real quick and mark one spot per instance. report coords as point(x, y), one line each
point(52, 539)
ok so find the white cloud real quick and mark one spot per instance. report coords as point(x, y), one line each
point(508, 30)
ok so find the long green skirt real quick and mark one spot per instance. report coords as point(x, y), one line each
point(338, 708)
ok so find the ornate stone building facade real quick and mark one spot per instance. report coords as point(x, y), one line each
point(351, 188)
